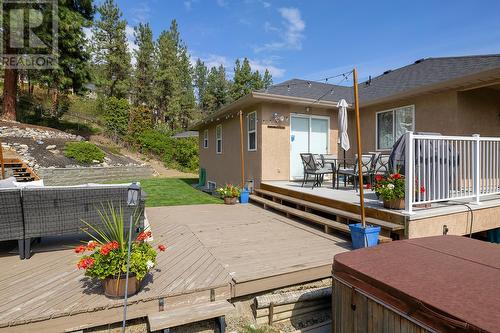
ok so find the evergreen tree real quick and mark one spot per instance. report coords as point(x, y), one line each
point(217, 90)
point(267, 80)
point(167, 83)
point(200, 83)
point(144, 72)
point(111, 56)
point(187, 99)
point(245, 80)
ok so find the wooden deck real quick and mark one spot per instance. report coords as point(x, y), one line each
point(226, 251)
point(459, 217)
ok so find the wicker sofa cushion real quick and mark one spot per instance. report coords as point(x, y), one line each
point(52, 211)
point(8, 183)
point(11, 214)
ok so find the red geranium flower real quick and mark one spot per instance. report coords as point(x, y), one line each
point(396, 176)
point(368, 186)
point(106, 248)
point(143, 236)
point(162, 247)
point(91, 245)
point(378, 178)
point(80, 249)
point(85, 263)
point(422, 189)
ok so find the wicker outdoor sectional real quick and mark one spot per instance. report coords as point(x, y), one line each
point(29, 213)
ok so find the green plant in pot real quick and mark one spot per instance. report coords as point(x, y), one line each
point(105, 256)
point(230, 193)
point(391, 189)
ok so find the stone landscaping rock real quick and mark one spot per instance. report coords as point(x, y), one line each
point(50, 147)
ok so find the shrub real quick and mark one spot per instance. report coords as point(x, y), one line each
point(141, 120)
point(83, 151)
point(116, 112)
point(176, 153)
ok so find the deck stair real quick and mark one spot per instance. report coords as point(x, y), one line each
point(306, 210)
point(14, 166)
point(165, 320)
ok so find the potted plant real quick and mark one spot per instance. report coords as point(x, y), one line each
point(391, 189)
point(105, 256)
point(229, 193)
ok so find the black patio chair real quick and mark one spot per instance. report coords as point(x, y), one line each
point(351, 171)
point(313, 167)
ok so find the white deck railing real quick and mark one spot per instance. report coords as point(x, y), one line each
point(442, 168)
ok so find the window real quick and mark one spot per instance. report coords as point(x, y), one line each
point(252, 131)
point(218, 139)
point(205, 138)
point(392, 124)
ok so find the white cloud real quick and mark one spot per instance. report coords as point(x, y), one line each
point(188, 4)
point(141, 13)
point(291, 31)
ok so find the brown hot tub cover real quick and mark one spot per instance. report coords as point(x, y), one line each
point(448, 283)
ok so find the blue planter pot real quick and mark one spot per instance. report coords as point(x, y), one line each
point(244, 196)
point(494, 235)
point(364, 237)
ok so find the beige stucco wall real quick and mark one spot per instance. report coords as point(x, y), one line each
point(448, 113)
point(226, 167)
point(276, 141)
point(271, 161)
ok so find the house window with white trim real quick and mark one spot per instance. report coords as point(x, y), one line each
point(392, 124)
point(252, 131)
point(205, 139)
point(218, 139)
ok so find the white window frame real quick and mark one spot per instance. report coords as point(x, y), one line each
point(251, 131)
point(393, 110)
point(218, 139)
point(205, 139)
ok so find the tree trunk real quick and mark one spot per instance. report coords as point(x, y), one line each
point(55, 103)
point(10, 94)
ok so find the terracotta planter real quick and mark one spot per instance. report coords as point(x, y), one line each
point(394, 204)
point(115, 288)
point(230, 201)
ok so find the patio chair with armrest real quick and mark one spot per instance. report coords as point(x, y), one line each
point(313, 167)
point(330, 160)
point(351, 170)
point(381, 165)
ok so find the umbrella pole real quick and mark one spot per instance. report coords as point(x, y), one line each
point(360, 153)
point(241, 151)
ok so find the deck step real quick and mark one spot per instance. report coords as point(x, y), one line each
point(189, 314)
point(325, 209)
point(308, 216)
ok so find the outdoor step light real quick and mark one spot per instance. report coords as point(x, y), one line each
point(133, 194)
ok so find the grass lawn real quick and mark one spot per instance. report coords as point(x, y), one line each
point(174, 192)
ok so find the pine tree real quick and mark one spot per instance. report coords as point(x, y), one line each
point(166, 80)
point(200, 83)
point(111, 55)
point(217, 91)
point(187, 99)
point(267, 79)
point(143, 93)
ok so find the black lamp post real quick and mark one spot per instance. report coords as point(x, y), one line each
point(133, 197)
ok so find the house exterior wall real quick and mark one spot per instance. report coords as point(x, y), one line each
point(276, 141)
point(271, 161)
point(449, 113)
point(226, 167)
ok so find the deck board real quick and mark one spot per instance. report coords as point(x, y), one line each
point(244, 249)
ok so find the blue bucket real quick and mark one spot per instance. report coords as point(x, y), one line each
point(244, 196)
point(360, 234)
point(494, 235)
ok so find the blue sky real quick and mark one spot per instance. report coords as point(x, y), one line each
point(315, 39)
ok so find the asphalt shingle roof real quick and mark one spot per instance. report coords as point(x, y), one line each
point(424, 72)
